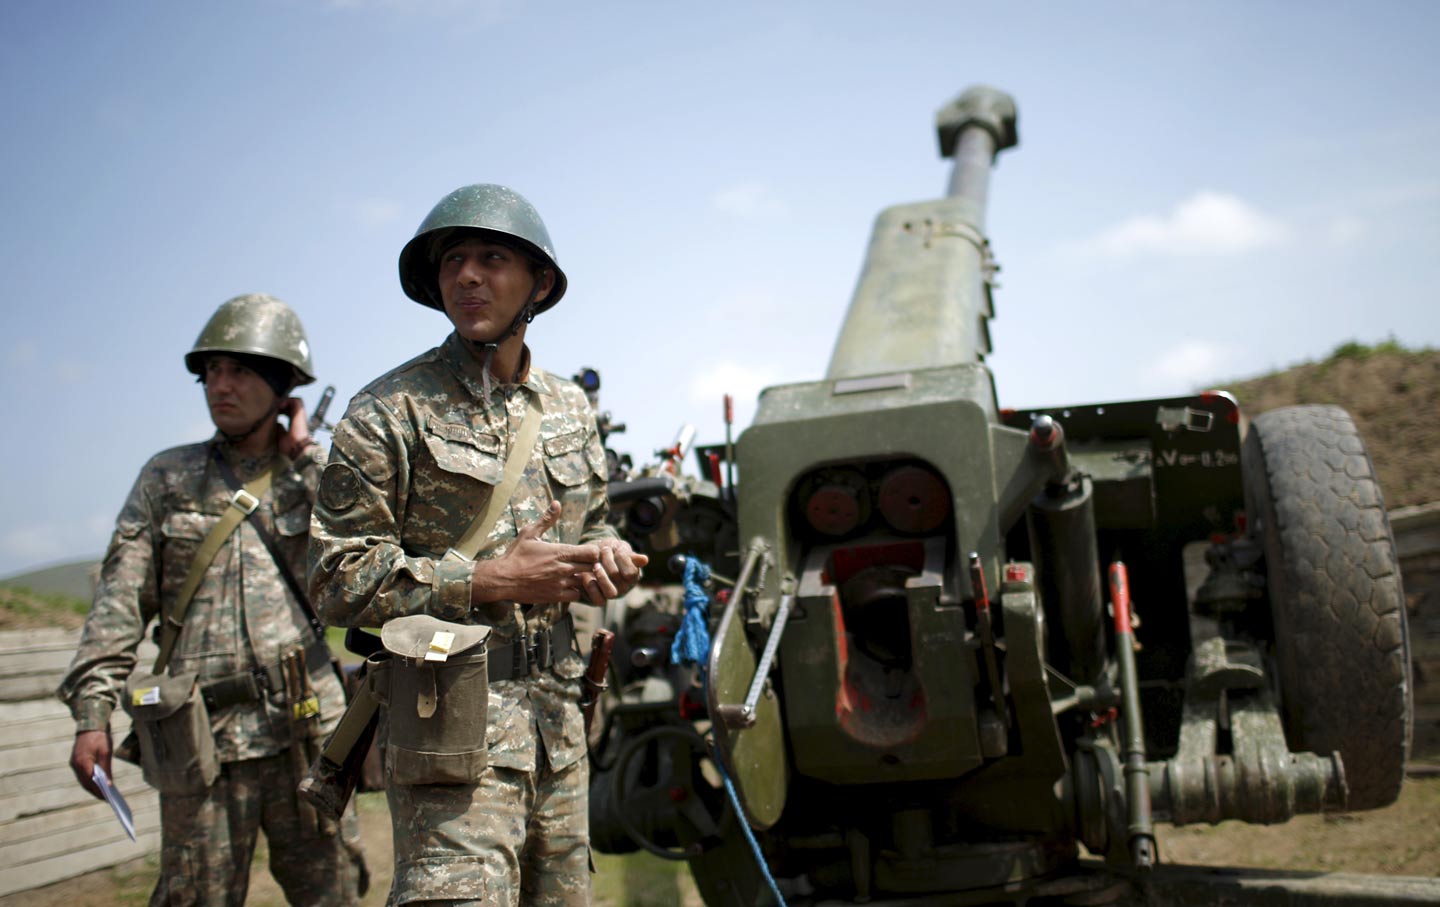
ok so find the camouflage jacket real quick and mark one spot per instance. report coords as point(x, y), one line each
point(242, 617)
point(414, 460)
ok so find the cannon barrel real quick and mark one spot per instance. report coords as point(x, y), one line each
point(923, 298)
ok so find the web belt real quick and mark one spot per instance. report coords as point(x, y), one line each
point(254, 685)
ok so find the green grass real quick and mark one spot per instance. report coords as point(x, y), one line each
point(1354, 349)
point(641, 880)
point(29, 603)
point(132, 882)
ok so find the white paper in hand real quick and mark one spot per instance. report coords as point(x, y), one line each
point(115, 799)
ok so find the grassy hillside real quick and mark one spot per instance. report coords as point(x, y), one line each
point(57, 596)
point(1393, 393)
point(25, 609)
point(72, 580)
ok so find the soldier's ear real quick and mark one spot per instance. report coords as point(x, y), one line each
point(543, 284)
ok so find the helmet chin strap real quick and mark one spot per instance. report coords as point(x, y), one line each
point(235, 440)
point(524, 316)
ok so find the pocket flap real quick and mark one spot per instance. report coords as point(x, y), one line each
point(187, 524)
point(464, 434)
point(151, 698)
point(421, 637)
point(566, 443)
point(458, 449)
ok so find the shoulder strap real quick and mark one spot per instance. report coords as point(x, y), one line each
point(242, 504)
point(276, 556)
point(469, 544)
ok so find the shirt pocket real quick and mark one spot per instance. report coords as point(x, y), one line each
point(209, 624)
point(449, 484)
point(570, 472)
point(292, 535)
point(565, 459)
point(181, 533)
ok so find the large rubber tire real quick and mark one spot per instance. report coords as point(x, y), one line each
point(1341, 646)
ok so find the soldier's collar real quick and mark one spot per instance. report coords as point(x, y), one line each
point(468, 363)
point(221, 447)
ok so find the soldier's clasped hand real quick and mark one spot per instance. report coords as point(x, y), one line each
point(533, 570)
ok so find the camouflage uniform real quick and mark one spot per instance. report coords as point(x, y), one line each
point(413, 461)
point(243, 617)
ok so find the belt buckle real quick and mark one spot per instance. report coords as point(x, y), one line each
point(244, 501)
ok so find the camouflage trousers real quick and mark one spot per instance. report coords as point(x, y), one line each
point(515, 838)
point(208, 842)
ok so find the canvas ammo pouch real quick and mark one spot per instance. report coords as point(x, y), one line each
point(177, 749)
point(436, 694)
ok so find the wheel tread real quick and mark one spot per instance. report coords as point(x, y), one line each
point(1344, 657)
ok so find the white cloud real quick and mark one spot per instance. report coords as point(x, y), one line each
point(374, 212)
point(749, 200)
point(713, 381)
point(1206, 223)
point(23, 354)
point(70, 372)
point(1186, 367)
point(478, 11)
point(1346, 231)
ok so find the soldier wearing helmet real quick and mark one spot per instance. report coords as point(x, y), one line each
point(222, 574)
point(416, 462)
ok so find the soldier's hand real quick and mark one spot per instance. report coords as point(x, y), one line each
point(294, 441)
point(91, 748)
point(617, 572)
point(533, 570)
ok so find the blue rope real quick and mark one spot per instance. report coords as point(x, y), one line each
point(749, 835)
point(692, 646)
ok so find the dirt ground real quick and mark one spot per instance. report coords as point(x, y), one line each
point(1402, 839)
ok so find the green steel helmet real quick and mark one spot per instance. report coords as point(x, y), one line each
point(255, 325)
point(483, 208)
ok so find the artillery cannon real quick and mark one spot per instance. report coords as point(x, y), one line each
point(929, 680)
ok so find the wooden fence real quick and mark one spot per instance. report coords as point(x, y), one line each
point(50, 828)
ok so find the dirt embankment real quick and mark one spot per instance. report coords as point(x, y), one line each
point(1392, 394)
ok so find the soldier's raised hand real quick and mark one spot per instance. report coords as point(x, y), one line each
point(296, 437)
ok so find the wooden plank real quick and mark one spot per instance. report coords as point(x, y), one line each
point(55, 787)
point(23, 760)
point(54, 869)
point(40, 730)
point(30, 686)
point(56, 727)
point(35, 640)
point(45, 664)
point(50, 827)
point(30, 710)
point(84, 815)
point(76, 830)
point(1417, 530)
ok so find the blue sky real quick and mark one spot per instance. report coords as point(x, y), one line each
point(1201, 192)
